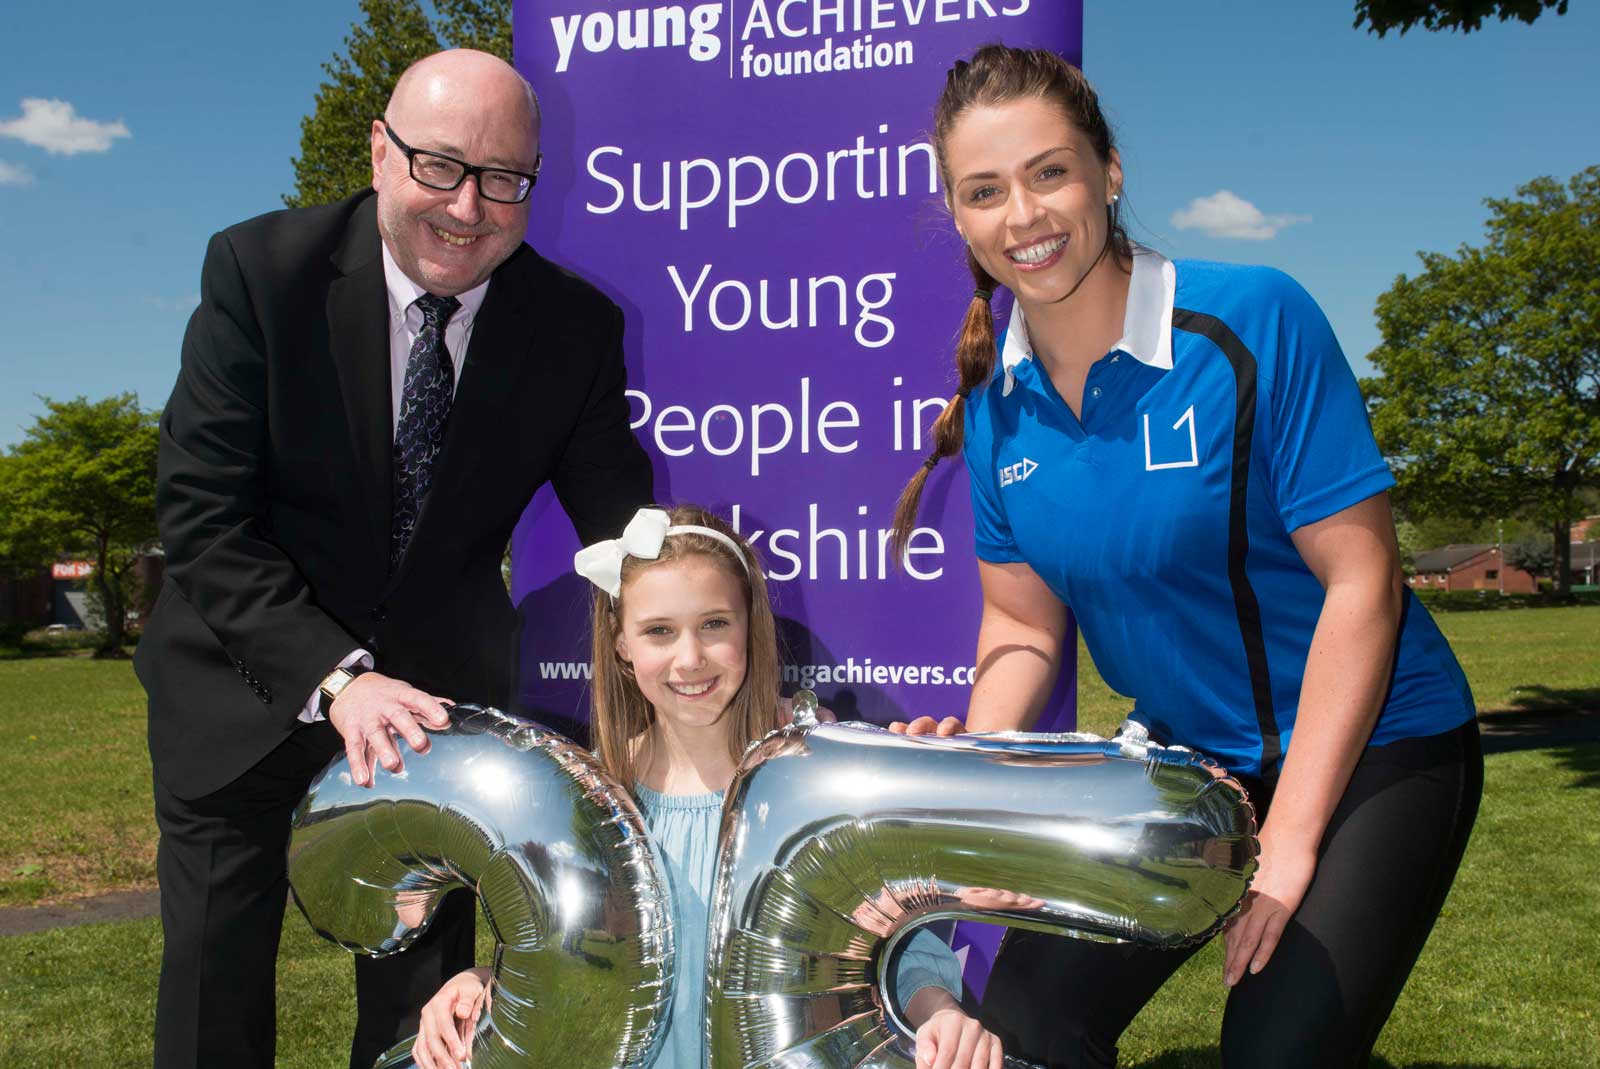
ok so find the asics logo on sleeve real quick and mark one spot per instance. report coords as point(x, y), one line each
point(1018, 472)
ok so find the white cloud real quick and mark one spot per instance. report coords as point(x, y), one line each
point(12, 174)
point(55, 126)
point(1224, 215)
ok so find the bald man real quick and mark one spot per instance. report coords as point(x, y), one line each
point(370, 393)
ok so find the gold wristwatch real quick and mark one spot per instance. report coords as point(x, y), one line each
point(334, 682)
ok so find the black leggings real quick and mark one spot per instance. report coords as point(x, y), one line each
point(1386, 863)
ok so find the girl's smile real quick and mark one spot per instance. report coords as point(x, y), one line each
point(685, 632)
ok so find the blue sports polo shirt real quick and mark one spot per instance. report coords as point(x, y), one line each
point(1225, 418)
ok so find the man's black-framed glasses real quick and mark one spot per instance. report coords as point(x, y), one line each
point(438, 171)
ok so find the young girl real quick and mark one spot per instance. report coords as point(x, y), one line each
point(686, 676)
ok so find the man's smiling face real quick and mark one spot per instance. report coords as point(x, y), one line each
point(473, 107)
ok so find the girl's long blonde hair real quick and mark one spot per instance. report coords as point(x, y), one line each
point(619, 712)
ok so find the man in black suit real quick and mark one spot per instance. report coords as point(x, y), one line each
point(370, 393)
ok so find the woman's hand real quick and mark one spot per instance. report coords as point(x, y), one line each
point(444, 1035)
point(1275, 893)
point(1353, 555)
point(952, 1040)
point(927, 725)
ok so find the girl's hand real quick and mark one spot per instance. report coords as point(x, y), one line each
point(951, 1040)
point(444, 1034)
point(1275, 893)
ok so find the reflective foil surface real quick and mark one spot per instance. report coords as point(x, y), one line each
point(555, 851)
point(839, 839)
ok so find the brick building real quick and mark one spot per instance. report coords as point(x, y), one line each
point(1585, 564)
point(1468, 567)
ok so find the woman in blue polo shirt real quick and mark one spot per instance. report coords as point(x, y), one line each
point(1180, 454)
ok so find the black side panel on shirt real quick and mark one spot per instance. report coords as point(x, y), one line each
point(1245, 605)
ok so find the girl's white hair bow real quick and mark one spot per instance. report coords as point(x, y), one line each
point(601, 563)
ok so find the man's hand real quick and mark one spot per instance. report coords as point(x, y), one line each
point(374, 709)
point(927, 725)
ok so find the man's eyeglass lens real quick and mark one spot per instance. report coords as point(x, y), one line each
point(446, 172)
point(442, 172)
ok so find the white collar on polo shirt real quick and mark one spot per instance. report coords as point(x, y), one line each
point(403, 293)
point(1146, 325)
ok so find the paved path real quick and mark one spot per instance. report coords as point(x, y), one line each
point(1502, 732)
point(116, 906)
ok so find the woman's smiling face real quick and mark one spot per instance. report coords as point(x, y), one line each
point(1030, 195)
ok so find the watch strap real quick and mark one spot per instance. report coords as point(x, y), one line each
point(334, 683)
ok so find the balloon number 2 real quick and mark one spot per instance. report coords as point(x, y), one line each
point(838, 840)
point(558, 857)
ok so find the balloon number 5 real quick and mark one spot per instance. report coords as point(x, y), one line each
point(838, 840)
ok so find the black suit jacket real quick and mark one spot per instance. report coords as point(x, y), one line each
point(275, 484)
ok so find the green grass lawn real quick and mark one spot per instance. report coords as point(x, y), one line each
point(76, 788)
point(1511, 977)
point(1533, 660)
point(1539, 660)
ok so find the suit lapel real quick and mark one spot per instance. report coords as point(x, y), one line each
point(358, 324)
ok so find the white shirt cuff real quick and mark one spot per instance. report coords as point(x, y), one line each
point(313, 707)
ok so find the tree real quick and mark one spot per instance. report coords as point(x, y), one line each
point(1410, 542)
point(334, 161)
point(1535, 558)
point(1381, 16)
point(83, 483)
point(1488, 402)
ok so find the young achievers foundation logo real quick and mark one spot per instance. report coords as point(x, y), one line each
point(775, 38)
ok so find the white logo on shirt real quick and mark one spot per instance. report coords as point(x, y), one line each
point(1194, 453)
point(1016, 473)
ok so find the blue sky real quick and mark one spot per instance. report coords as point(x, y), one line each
point(1355, 152)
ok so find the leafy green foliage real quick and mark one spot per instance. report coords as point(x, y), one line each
point(82, 483)
point(1535, 558)
point(334, 159)
point(1442, 529)
point(1488, 402)
point(481, 24)
point(1381, 16)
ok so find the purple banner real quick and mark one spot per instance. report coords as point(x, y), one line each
point(751, 181)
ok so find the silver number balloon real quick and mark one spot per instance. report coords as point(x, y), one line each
point(838, 840)
point(560, 861)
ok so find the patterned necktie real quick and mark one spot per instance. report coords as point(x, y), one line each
point(424, 411)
